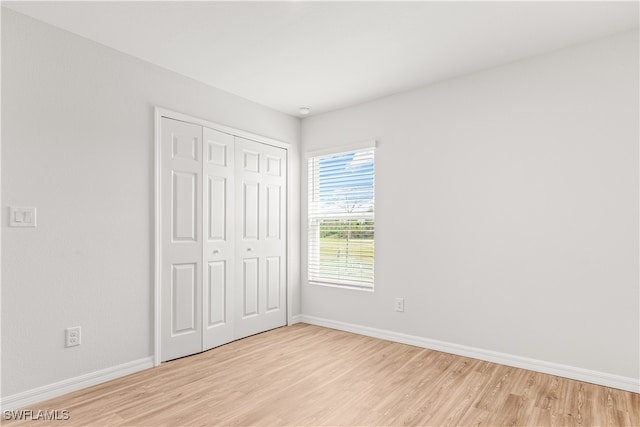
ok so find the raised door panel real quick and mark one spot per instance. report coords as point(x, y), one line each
point(250, 286)
point(251, 160)
point(273, 283)
point(217, 286)
point(274, 165)
point(184, 145)
point(184, 201)
point(183, 295)
point(217, 208)
point(250, 210)
point(273, 212)
point(217, 152)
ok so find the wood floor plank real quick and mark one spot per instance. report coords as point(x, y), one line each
point(306, 375)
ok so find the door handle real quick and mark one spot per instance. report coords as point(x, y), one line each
point(216, 251)
point(249, 249)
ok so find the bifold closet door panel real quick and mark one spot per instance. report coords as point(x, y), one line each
point(181, 222)
point(260, 172)
point(219, 248)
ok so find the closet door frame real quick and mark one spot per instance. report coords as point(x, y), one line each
point(159, 113)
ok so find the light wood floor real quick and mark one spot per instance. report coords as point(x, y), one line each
point(306, 375)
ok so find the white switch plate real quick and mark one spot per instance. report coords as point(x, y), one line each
point(22, 217)
point(399, 304)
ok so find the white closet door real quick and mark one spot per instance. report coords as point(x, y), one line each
point(181, 213)
point(223, 238)
point(260, 237)
point(218, 272)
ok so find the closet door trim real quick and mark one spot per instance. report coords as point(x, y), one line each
point(159, 113)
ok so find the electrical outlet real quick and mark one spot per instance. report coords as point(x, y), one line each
point(72, 336)
point(400, 304)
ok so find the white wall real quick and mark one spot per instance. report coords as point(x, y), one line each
point(507, 209)
point(77, 143)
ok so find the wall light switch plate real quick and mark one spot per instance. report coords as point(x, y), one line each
point(22, 217)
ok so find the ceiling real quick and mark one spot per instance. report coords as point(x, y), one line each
point(329, 55)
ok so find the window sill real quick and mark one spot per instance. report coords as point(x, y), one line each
point(342, 286)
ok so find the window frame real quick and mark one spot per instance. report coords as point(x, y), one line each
point(312, 194)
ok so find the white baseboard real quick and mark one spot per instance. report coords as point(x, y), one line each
point(571, 372)
point(297, 318)
point(50, 391)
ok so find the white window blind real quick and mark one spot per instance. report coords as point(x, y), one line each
point(341, 218)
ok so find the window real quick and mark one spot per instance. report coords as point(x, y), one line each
point(341, 218)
